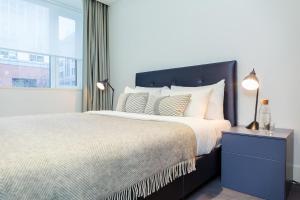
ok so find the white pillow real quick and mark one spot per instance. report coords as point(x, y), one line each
point(198, 102)
point(150, 90)
point(216, 99)
point(129, 90)
point(165, 91)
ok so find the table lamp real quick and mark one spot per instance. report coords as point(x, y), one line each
point(103, 85)
point(251, 82)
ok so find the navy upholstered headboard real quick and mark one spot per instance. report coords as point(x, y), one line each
point(196, 76)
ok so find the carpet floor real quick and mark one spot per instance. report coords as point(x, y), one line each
point(214, 191)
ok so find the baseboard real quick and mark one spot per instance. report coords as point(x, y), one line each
point(296, 173)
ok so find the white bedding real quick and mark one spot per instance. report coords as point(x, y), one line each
point(208, 132)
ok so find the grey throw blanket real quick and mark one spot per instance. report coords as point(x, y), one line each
point(89, 156)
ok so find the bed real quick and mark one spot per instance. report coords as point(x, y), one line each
point(208, 165)
point(104, 155)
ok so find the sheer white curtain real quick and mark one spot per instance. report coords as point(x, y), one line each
point(41, 27)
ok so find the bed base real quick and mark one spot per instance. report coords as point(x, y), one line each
point(208, 166)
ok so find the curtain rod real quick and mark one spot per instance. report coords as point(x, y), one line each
point(106, 2)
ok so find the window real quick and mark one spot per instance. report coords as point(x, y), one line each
point(43, 47)
point(23, 82)
point(3, 54)
point(66, 28)
point(22, 69)
point(67, 72)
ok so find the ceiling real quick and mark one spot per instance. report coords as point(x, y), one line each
point(73, 3)
point(77, 4)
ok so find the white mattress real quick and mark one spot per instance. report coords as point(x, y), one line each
point(208, 132)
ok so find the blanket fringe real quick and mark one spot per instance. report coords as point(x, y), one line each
point(154, 183)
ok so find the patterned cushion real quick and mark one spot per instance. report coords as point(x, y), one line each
point(136, 102)
point(174, 105)
point(122, 102)
point(152, 104)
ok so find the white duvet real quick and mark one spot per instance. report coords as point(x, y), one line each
point(208, 132)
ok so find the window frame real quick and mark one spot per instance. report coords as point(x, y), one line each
point(53, 71)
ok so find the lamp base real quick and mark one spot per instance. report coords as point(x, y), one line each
point(253, 125)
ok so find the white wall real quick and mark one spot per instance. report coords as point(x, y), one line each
point(156, 34)
point(38, 101)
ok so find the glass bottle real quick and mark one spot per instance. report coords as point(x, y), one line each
point(264, 115)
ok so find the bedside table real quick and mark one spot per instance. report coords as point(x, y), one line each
point(257, 163)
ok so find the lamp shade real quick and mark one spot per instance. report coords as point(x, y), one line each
point(101, 86)
point(251, 82)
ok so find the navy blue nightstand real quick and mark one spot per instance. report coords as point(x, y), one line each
point(256, 163)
